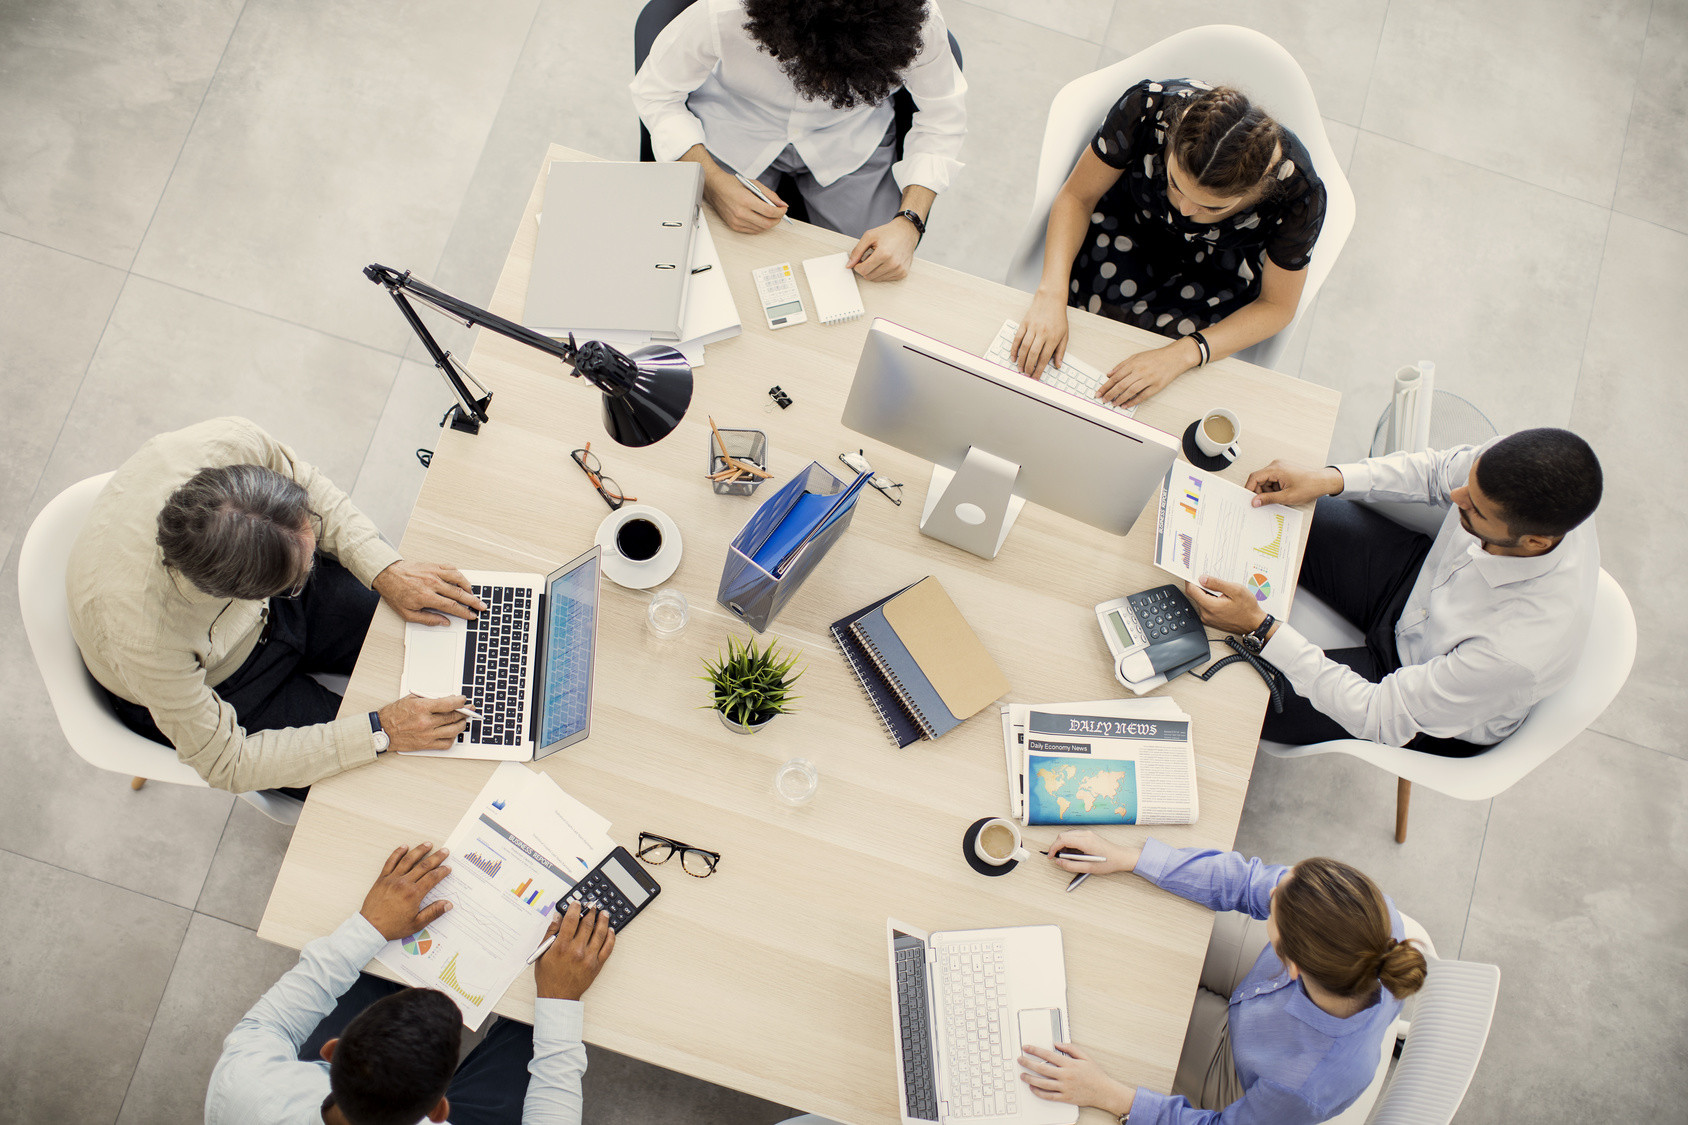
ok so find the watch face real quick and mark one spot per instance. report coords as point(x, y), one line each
point(381, 741)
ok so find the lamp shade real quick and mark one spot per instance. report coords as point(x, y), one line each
point(650, 403)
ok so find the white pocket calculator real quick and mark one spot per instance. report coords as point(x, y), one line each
point(776, 288)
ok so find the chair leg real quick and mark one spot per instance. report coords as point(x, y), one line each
point(136, 783)
point(1403, 796)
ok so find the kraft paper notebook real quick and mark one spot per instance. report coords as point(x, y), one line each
point(930, 657)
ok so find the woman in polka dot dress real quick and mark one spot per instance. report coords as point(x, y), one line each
point(1192, 212)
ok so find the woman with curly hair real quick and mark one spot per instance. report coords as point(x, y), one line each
point(1193, 214)
point(1300, 986)
point(803, 87)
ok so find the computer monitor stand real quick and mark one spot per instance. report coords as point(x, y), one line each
point(973, 507)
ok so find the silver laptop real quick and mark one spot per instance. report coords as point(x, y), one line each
point(964, 1003)
point(525, 664)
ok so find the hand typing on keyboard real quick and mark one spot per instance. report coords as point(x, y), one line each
point(414, 723)
point(1067, 1074)
point(424, 592)
point(1041, 338)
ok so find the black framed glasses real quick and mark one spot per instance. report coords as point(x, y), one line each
point(657, 850)
point(607, 488)
point(316, 531)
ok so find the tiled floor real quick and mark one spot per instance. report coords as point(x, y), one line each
point(188, 191)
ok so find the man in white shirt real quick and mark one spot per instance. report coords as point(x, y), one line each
point(327, 1045)
point(765, 87)
point(1464, 633)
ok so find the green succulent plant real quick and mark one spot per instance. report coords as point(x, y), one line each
point(751, 685)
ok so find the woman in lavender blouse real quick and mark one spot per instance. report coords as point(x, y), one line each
point(1297, 994)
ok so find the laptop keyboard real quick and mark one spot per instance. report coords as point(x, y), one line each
point(982, 1051)
point(1073, 376)
point(918, 1083)
point(495, 666)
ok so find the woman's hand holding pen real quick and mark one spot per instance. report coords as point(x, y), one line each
point(1115, 857)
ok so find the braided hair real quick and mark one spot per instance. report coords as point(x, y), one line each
point(1333, 923)
point(1226, 143)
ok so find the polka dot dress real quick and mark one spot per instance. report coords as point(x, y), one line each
point(1145, 264)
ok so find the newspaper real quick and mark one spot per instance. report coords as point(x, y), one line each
point(1109, 761)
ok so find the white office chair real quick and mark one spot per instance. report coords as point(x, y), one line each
point(90, 726)
point(1607, 656)
point(1219, 54)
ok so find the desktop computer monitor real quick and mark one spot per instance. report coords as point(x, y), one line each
point(997, 439)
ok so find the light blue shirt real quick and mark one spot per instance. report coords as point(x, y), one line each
point(261, 1081)
point(1297, 1063)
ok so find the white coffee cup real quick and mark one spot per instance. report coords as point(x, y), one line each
point(1002, 836)
point(1220, 434)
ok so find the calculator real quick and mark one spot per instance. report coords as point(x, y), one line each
point(619, 886)
point(776, 288)
point(1151, 633)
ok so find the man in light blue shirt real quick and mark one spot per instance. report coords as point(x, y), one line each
point(327, 1045)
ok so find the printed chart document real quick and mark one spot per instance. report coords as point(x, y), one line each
point(1103, 761)
point(522, 845)
point(1207, 525)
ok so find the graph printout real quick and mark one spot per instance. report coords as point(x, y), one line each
point(1207, 525)
point(522, 845)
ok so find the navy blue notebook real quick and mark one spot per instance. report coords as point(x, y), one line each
point(904, 676)
point(899, 725)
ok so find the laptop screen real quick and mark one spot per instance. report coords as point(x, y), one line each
point(571, 629)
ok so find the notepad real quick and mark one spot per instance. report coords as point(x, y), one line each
point(834, 288)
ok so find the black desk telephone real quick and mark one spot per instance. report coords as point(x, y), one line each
point(1154, 636)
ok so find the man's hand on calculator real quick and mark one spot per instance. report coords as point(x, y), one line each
point(584, 942)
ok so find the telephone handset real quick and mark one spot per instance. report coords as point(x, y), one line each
point(1153, 637)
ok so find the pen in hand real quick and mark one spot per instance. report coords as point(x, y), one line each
point(546, 944)
point(757, 192)
point(1068, 853)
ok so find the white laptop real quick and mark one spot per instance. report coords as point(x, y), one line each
point(963, 1004)
point(525, 664)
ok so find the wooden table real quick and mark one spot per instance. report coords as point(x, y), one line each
point(771, 977)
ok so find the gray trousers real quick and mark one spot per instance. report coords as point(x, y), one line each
point(852, 204)
point(1207, 1073)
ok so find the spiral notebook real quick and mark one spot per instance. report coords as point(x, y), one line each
point(899, 725)
point(930, 657)
point(833, 287)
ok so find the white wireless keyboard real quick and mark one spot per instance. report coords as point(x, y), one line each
point(1074, 376)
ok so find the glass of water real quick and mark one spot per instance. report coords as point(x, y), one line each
point(796, 781)
point(666, 613)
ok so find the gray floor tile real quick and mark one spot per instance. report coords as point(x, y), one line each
point(391, 476)
point(220, 973)
point(170, 358)
point(243, 870)
point(1344, 808)
point(1333, 40)
point(1653, 181)
point(1429, 274)
point(98, 98)
point(1632, 406)
point(85, 967)
point(59, 809)
point(1013, 71)
point(1579, 901)
point(1342, 139)
point(56, 307)
point(1536, 90)
point(1082, 19)
point(623, 1091)
point(334, 135)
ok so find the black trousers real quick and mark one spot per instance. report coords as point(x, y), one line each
point(1363, 565)
point(321, 630)
point(488, 1088)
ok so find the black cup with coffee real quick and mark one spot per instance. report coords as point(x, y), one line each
point(638, 539)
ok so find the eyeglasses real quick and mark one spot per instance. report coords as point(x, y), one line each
point(657, 850)
point(316, 533)
point(607, 488)
point(884, 484)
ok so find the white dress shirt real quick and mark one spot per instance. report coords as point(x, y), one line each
point(1482, 638)
point(260, 1080)
point(706, 81)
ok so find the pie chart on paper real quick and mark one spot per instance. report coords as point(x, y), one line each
point(418, 943)
point(1259, 586)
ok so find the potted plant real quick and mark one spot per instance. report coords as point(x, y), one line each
point(750, 685)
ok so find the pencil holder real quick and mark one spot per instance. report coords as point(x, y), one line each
point(754, 595)
point(749, 446)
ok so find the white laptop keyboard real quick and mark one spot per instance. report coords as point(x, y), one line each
point(982, 1043)
point(1074, 376)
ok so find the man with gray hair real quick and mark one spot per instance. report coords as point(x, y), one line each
point(215, 573)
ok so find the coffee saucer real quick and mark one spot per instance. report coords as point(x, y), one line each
point(653, 571)
point(1194, 455)
point(973, 859)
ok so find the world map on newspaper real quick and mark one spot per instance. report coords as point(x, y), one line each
point(1065, 791)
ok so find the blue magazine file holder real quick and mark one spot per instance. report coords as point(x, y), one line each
point(754, 595)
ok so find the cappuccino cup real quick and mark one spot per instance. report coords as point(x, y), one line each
point(998, 842)
point(1219, 434)
point(639, 539)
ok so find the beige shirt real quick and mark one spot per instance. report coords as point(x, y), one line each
point(152, 637)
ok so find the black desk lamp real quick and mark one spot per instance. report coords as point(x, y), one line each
point(645, 394)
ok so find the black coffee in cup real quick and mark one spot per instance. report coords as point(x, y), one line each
point(638, 539)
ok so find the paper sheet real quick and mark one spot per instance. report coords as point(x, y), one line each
point(522, 845)
point(1207, 525)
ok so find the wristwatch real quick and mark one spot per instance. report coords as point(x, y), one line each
point(382, 741)
point(1256, 640)
point(919, 223)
